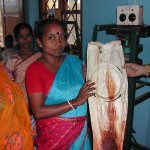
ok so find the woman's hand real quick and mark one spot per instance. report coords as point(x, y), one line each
point(85, 92)
point(134, 70)
point(40, 110)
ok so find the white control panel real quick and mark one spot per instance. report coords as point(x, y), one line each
point(130, 15)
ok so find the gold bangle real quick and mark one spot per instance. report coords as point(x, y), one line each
point(147, 70)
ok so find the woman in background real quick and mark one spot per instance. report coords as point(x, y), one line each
point(9, 48)
point(15, 126)
point(57, 92)
point(18, 63)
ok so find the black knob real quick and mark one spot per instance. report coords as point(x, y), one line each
point(122, 17)
point(132, 17)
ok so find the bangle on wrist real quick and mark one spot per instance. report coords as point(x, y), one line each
point(147, 70)
point(71, 105)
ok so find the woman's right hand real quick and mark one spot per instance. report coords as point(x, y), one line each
point(85, 92)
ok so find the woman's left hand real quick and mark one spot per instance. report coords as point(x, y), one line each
point(85, 92)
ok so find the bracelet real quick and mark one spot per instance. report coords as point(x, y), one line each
point(147, 70)
point(71, 105)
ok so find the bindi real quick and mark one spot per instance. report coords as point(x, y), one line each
point(57, 33)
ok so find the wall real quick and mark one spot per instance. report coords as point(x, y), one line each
point(31, 9)
point(104, 12)
point(97, 12)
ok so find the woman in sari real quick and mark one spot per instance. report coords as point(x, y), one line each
point(57, 92)
point(18, 63)
point(15, 126)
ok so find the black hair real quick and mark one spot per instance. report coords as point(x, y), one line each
point(42, 24)
point(8, 39)
point(20, 26)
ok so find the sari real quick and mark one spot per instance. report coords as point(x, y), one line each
point(15, 126)
point(18, 68)
point(7, 53)
point(69, 130)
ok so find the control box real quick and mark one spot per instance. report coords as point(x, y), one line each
point(130, 15)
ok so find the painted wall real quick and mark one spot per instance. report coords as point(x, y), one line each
point(104, 12)
point(31, 9)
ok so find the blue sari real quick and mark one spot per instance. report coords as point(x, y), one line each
point(66, 86)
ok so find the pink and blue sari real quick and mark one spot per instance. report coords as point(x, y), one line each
point(69, 130)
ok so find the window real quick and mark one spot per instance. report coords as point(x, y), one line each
point(11, 13)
